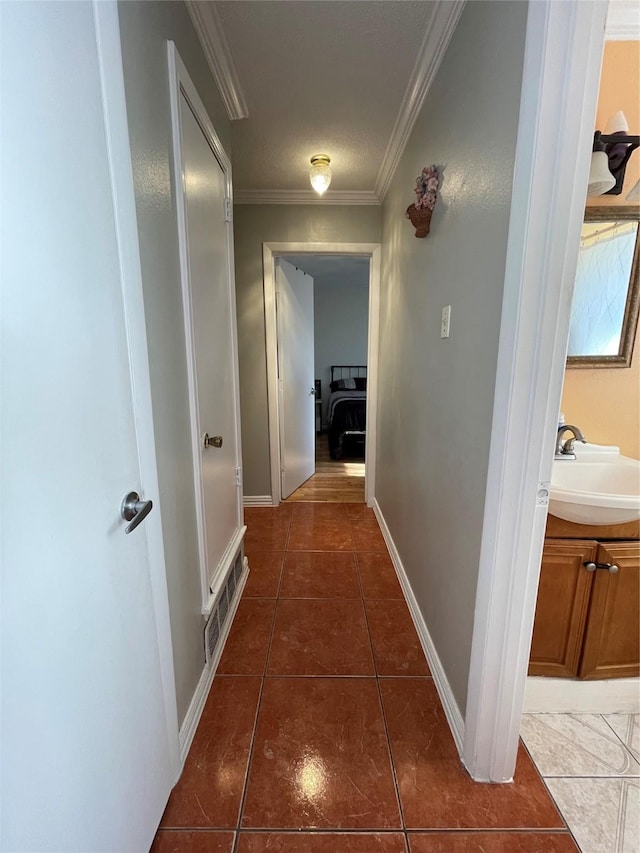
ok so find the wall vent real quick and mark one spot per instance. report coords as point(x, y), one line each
point(238, 568)
point(231, 585)
point(223, 605)
point(215, 628)
point(212, 635)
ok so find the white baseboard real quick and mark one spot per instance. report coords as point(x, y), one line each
point(451, 710)
point(194, 712)
point(257, 500)
point(196, 706)
point(569, 696)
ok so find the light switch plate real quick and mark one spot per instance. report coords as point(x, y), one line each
point(445, 322)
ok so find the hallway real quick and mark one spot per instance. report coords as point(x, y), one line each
point(323, 716)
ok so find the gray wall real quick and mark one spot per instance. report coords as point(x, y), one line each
point(436, 396)
point(253, 225)
point(341, 325)
point(145, 28)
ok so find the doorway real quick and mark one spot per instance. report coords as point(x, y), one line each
point(334, 345)
point(313, 256)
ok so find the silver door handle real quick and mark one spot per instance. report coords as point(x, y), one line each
point(212, 441)
point(134, 510)
point(313, 391)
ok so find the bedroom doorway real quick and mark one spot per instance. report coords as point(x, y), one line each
point(343, 353)
point(322, 309)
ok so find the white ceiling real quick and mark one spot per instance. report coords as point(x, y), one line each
point(318, 77)
point(341, 77)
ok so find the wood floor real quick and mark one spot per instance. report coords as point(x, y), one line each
point(341, 481)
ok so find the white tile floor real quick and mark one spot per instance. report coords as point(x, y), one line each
point(591, 765)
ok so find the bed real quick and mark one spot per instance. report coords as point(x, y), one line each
point(347, 409)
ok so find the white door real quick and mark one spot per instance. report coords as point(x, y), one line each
point(294, 308)
point(210, 330)
point(85, 748)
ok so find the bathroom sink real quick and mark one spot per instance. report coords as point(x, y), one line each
point(598, 487)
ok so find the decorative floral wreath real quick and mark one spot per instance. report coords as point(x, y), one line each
point(427, 188)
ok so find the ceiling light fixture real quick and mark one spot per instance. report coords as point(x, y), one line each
point(320, 173)
point(610, 155)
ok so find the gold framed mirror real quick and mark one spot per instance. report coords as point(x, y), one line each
point(606, 299)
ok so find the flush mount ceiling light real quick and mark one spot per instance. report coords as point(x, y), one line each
point(610, 155)
point(320, 173)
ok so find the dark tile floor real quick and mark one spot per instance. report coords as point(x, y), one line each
point(323, 731)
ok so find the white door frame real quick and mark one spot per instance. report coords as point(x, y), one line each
point(180, 81)
point(117, 134)
point(563, 56)
point(269, 253)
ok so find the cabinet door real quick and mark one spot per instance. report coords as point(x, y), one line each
point(612, 638)
point(561, 611)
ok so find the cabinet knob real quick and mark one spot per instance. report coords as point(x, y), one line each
point(610, 567)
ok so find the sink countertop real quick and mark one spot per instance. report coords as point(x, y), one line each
point(599, 487)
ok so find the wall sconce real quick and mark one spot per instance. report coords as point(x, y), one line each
point(320, 173)
point(611, 152)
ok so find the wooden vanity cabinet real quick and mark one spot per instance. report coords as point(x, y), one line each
point(587, 623)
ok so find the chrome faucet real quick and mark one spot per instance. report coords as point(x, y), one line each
point(565, 450)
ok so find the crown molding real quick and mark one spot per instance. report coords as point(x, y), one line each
point(623, 21)
point(440, 28)
point(441, 25)
point(216, 50)
point(304, 197)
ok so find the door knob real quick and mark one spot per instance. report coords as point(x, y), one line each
point(312, 392)
point(134, 510)
point(212, 441)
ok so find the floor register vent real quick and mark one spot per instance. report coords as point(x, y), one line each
point(214, 631)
